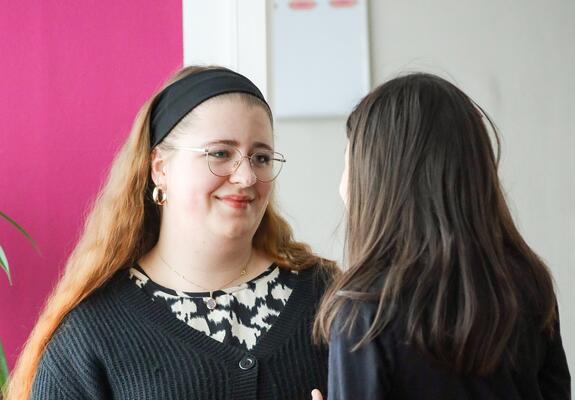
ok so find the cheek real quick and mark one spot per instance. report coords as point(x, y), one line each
point(194, 193)
point(264, 191)
point(343, 192)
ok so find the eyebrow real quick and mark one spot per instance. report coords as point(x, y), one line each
point(236, 143)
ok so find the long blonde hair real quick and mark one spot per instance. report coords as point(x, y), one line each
point(122, 226)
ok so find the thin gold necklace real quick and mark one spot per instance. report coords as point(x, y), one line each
point(211, 301)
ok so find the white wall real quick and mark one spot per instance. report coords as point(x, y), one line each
point(307, 188)
point(517, 60)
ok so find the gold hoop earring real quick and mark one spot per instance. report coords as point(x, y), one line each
point(159, 196)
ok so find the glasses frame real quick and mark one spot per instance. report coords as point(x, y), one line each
point(238, 163)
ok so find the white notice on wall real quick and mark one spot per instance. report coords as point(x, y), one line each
point(320, 57)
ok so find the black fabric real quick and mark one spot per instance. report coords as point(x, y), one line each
point(182, 96)
point(118, 344)
point(388, 368)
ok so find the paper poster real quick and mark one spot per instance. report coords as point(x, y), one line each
point(320, 57)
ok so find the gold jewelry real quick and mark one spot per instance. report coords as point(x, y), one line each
point(211, 301)
point(159, 196)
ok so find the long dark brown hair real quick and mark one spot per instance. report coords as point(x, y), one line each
point(429, 234)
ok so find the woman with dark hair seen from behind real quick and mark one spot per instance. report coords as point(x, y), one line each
point(186, 283)
point(442, 297)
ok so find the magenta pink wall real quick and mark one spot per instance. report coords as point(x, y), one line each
point(72, 76)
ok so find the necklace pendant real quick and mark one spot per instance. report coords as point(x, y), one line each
point(211, 303)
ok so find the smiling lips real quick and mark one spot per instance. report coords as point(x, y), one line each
point(236, 201)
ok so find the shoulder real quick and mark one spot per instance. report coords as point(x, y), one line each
point(74, 360)
point(84, 324)
point(102, 302)
point(354, 317)
point(318, 277)
point(356, 321)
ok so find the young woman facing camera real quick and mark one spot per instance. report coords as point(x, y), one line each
point(186, 283)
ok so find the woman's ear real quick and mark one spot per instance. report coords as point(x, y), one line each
point(158, 167)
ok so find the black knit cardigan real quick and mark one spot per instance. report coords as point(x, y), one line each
point(119, 344)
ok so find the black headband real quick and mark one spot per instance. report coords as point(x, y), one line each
point(181, 97)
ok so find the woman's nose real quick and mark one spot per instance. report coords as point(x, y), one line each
point(244, 174)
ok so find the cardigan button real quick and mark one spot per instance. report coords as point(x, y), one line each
point(247, 362)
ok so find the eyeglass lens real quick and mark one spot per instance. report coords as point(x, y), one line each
point(224, 160)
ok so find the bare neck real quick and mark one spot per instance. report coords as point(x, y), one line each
point(202, 265)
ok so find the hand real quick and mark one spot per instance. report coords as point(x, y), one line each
point(316, 395)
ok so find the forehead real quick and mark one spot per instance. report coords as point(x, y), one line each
point(230, 118)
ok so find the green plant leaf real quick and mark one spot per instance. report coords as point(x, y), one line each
point(4, 264)
point(7, 218)
point(3, 368)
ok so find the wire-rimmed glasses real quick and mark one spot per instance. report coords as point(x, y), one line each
point(224, 159)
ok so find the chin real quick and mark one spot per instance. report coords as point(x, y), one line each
point(236, 232)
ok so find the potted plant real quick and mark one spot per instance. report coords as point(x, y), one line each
point(6, 268)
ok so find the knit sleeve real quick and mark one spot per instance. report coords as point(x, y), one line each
point(361, 374)
point(69, 368)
